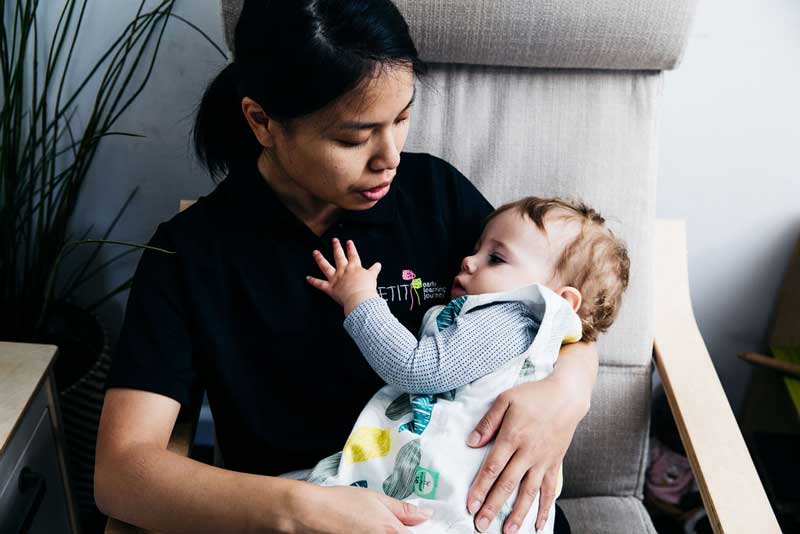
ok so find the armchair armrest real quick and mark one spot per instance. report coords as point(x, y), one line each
point(732, 492)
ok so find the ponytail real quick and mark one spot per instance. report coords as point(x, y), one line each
point(221, 133)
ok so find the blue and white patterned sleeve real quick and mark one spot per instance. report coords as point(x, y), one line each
point(476, 344)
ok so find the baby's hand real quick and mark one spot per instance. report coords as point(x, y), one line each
point(348, 283)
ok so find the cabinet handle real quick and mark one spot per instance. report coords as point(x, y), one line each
point(32, 487)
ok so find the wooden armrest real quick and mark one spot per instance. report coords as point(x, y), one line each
point(180, 442)
point(732, 492)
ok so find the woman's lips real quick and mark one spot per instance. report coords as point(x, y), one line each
point(376, 193)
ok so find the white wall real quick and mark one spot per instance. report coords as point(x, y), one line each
point(729, 158)
point(730, 166)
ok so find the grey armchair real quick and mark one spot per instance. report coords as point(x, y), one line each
point(562, 98)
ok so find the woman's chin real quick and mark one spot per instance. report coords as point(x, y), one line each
point(359, 203)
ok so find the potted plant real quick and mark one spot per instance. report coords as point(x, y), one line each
point(44, 161)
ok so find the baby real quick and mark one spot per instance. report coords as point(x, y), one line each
point(544, 272)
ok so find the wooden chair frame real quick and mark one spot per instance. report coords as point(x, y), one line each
point(732, 492)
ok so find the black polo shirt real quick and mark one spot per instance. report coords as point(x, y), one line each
point(231, 311)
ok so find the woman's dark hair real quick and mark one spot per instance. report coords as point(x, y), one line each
point(294, 57)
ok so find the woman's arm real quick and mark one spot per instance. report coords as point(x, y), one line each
point(576, 370)
point(476, 344)
point(534, 424)
point(138, 481)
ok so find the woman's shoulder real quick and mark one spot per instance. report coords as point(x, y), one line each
point(192, 223)
point(424, 176)
point(435, 177)
point(421, 166)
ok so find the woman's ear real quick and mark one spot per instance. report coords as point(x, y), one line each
point(262, 126)
point(572, 295)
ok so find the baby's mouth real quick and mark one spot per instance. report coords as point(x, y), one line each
point(457, 288)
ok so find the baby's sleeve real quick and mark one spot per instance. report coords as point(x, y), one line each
point(476, 344)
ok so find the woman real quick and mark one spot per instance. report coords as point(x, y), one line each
point(307, 125)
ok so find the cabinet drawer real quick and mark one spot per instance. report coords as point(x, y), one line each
point(32, 451)
point(21, 436)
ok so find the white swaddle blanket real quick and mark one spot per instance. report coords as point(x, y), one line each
point(413, 447)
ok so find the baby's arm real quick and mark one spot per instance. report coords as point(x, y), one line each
point(476, 344)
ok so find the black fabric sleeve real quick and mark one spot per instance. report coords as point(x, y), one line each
point(154, 352)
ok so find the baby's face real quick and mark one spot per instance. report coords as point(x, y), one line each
point(513, 252)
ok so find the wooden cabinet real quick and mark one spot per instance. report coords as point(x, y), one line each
point(35, 496)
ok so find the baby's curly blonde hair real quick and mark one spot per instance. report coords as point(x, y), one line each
point(595, 262)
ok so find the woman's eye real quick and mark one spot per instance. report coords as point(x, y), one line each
point(351, 144)
point(401, 119)
point(494, 258)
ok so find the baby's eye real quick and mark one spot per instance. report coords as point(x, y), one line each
point(494, 258)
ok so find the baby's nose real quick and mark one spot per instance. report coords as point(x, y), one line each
point(467, 264)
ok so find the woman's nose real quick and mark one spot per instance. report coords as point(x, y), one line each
point(388, 155)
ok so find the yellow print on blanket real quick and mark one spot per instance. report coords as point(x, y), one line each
point(366, 443)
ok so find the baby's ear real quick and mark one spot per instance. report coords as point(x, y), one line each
point(572, 295)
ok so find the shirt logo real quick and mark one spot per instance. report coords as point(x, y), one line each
point(416, 283)
point(414, 290)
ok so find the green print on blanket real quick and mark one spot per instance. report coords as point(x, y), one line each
point(399, 407)
point(325, 468)
point(400, 483)
point(425, 483)
point(421, 407)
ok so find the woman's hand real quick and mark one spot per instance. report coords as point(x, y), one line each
point(347, 509)
point(348, 283)
point(536, 422)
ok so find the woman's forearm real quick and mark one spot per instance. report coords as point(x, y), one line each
point(156, 489)
point(576, 369)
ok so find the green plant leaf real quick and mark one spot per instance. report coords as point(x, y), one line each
point(44, 159)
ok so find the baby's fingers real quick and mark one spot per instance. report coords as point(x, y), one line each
point(338, 254)
point(322, 285)
point(323, 264)
point(352, 253)
point(375, 269)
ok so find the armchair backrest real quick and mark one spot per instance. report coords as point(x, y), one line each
point(531, 97)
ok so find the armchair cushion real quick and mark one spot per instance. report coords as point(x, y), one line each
point(607, 515)
point(604, 34)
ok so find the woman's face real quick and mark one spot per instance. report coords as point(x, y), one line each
point(346, 154)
